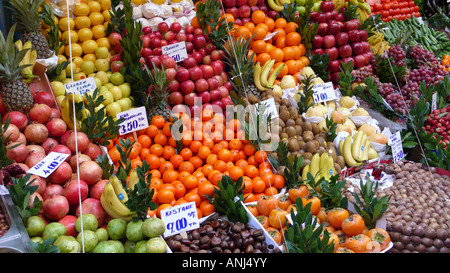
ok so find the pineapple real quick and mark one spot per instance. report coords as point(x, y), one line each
point(15, 92)
point(156, 101)
point(241, 68)
point(26, 14)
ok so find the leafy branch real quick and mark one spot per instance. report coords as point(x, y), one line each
point(328, 191)
point(21, 191)
point(306, 97)
point(345, 78)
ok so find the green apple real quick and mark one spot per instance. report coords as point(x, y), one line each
point(79, 76)
point(71, 67)
point(101, 52)
point(102, 64)
point(109, 73)
point(316, 6)
point(126, 89)
point(98, 82)
point(116, 78)
point(58, 88)
point(300, 2)
point(102, 76)
point(108, 96)
point(117, 93)
point(88, 67)
point(301, 9)
point(113, 109)
point(125, 103)
point(109, 85)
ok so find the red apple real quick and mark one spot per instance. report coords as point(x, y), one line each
point(217, 67)
point(228, 85)
point(226, 101)
point(333, 66)
point(173, 86)
point(345, 51)
point(198, 56)
point(363, 35)
point(199, 42)
point(116, 66)
point(189, 99)
point(244, 11)
point(181, 36)
point(198, 31)
point(213, 83)
point(326, 6)
point(154, 43)
point(215, 95)
point(335, 27)
point(189, 47)
point(241, 2)
point(169, 36)
point(329, 41)
point(204, 96)
point(353, 36)
point(157, 51)
point(175, 27)
point(321, 18)
point(219, 79)
point(163, 27)
point(146, 52)
point(341, 38)
point(167, 61)
point(207, 70)
point(357, 49)
point(201, 85)
point(360, 61)
point(332, 52)
point(351, 25)
point(317, 51)
point(187, 87)
point(176, 98)
point(195, 73)
point(147, 30)
point(207, 59)
point(217, 55)
point(170, 73)
point(146, 41)
point(263, 9)
point(223, 91)
point(114, 38)
point(317, 41)
point(322, 29)
point(229, 3)
point(115, 57)
point(233, 11)
point(238, 22)
point(164, 42)
point(189, 62)
point(182, 74)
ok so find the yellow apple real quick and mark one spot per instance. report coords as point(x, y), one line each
point(113, 109)
point(117, 93)
point(126, 89)
point(58, 88)
point(102, 64)
point(108, 96)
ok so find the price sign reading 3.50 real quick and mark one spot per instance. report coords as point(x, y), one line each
point(135, 120)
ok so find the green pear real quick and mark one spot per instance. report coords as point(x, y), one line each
point(102, 76)
point(116, 78)
point(125, 104)
point(101, 52)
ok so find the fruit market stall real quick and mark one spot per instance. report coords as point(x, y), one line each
point(224, 126)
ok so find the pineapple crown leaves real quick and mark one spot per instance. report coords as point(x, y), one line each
point(21, 191)
point(305, 235)
point(26, 14)
point(10, 58)
point(371, 208)
point(158, 90)
point(225, 199)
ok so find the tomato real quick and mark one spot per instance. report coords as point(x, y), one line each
point(384, 13)
point(411, 3)
point(283, 202)
point(377, 7)
point(358, 243)
point(381, 236)
point(386, 6)
point(353, 225)
point(336, 216)
point(277, 218)
point(266, 204)
point(275, 234)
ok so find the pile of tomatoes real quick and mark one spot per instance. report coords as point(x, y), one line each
point(399, 9)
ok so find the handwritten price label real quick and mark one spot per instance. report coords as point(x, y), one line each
point(48, 165)
point(135, 120)
point(397, 148)
point(271, 108)
point(177, 51)
point(180, 218)
point(324, 92)
point(82, 86)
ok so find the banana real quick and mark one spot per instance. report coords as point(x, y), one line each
point(305, 172)
point(331, 170)
point(273, 75)
point(324, 166)
point(19, 44)
point(372, 153)
point(365, 7)
point(338, 4)
point(353, 2)
point(118, 188)
point(65, 113)
point(133, 180)
point(114, 202)
point(257, 77)
point(110, 211)
point(347, 152)
point(275, 6)
point(315, 164)
point(31, 61)
point(356, 146)
point(341, 144)
point(365, 154)
point(362, 148)
point(265, 70)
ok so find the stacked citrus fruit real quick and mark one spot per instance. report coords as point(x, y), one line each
point(87, 30)
point(274, 39)
point(191, 168)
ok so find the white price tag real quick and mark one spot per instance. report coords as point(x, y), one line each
point(177, 51)
point(396, 145)
point(324, 92)
point(271, 108)
point(80, 87)
point(270, 36)
point(135, 120)
point(434, 102)
point(180, 218)
point(48, 165)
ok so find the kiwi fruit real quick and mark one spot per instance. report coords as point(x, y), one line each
point(285, 102)
point(284, 115)
point(311, 147)
point(298, 130)
point(307, 126)
point(307, 135)
point(307, 155)
point(337, 167)
point(341, 161)
point(290, 122)
point(290, 131)
point(299, 120)
point(321, 150)
point(315, 128)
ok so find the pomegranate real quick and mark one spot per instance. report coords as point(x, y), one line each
point(18, 153)
point(44, 98)
point(90, 172)
point(33, 159)
point(32, 197)
point(74, 190)
point(36, 133)
point(22, 139)
point(96, 190)
point(52, 189)
point(40, 113)
point(92, 206)
point(69, 222)
point(55, 113)
point(40, 182)
point(32, 148)
point(56, 127)
point(12, 133)
point(93, 151)
point(62, 174)
point(64, 137)
point(81, 158)
point(17, 118)
point(79, 139)
point(62, 149)
point(55, 207)
point(48, 144)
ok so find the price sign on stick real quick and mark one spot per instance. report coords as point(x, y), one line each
point(180, 218)
point(177, 51)
point(81, 87)
point(135, 120)
point(396, 146)
point(324, 92)
point(270, 108)
point(48, 165)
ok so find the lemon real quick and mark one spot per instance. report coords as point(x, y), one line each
point(65, 23)
point(104, 42)
point(62, 50)
point(99, 31)
point(94, 6)
point(85, 34)
point(73, 36)
point(96, 18)
point(106, 4)
point(71, 67)
point(81, 9)
point(106, 15)
point(82, 22)
point(89, 57)
point(61, 58)
point(89, 46)
point(77, 50)
point(77, 61)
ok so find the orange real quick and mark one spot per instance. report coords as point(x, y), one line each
point(250, 26)
point(186, 166)
point(206, 208)
point(94, 6)
point(96, 18)
point(293, 38)
point(156, 149)
point(258, 185)
point(165, 196)
point(220, 166)
point(280, 42)
point(186, 153)
point(293, 67)
point(176, 160)
point(242, 31)
point(305, 60)
point(297, 52)
point(258, 17)
point(194, 22)
point(224, 154)
point(270, 23)
point(180, 189)
point(277, 54)
point(215, 178)
point(169, 176)
point(259, 33)
point(259, 46)
point(81, 9)
point(236, 172)
point(263, 58)
point(261, 156)
point(203, 152)
point(250, 54)
point(291, 27)
point(145, 141)
point(280, 23)
point(158, 121)
point(280, 32)
point(165, 166)
point(168, 152)
point(288, 53)
point(212, 159)
point(82, 22)
point(193, 197)
point(251, 171)
point(197, 161)
point(195, 146)
point(269, 47)
point(207, 168)
point(264, 26)
point(190, 182)
point(228, 17)
point(152, 130)
point(160, 139)
point(248, 186)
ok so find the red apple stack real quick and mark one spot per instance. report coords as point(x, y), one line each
point(242, 9)
point(341, 39)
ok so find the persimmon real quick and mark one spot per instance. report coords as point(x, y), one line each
point(381, 236)
point(277, 218)
point(275, 234)
point(283, 202)
point(296, 192)
point(263, 220)
point(266, 204)
point(353, 225)
point(253, 210)
point(336, 216)
point(358, 243)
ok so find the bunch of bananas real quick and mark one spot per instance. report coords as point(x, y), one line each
point(29, 58)
point(321, 166)
point(356, 149)
point(363, 9)
point(114, 197)
point(278, 5)
point(264, 77)
point(66, 107)
point(377, 43)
